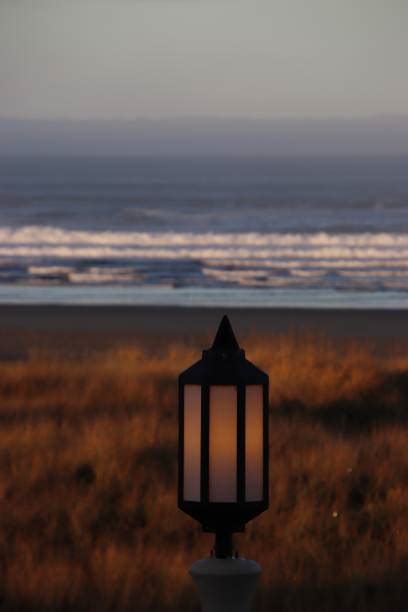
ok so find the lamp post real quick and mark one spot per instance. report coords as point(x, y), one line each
point(223, 463)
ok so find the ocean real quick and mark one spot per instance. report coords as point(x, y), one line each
point(295, 232)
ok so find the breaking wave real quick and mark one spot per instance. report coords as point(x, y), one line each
point(47, 235)
point(52, 255)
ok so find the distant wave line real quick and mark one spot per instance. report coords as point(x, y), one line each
point(329, 253)
point(50, 235)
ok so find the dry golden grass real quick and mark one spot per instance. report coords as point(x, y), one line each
point(88, 516)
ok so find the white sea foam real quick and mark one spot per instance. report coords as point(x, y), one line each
point(38, 241)
point(47, 235)
point(385, 255)
point(54, 235)
point(251, 259)
point(101, 277)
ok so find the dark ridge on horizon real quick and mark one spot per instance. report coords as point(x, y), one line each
point(204, 136)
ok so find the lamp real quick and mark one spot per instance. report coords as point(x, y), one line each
point(223, 440)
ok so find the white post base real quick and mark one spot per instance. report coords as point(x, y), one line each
point(225, 585)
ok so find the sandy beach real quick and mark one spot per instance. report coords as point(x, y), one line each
point(84, 329)
point(181, 323)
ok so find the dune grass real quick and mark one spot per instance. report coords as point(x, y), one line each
point(88, 516)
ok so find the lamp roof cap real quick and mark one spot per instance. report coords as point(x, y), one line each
point(225, 339)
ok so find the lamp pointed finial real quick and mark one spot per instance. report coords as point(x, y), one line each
point(225, 338)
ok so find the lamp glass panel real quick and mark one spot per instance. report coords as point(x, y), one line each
point(192, 442)
point(223, 443)
point(253, 443)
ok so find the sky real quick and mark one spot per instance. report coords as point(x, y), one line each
point(126, 59)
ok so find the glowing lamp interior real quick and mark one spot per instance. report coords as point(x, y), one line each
point(253, 443)
point(223, 444)
point(192, 442)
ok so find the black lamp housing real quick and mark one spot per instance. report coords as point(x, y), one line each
point(224, 371)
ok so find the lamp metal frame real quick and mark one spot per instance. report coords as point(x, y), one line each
point(224, 364)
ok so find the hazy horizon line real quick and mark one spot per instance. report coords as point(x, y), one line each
point(201, 117)
point(207, 135)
